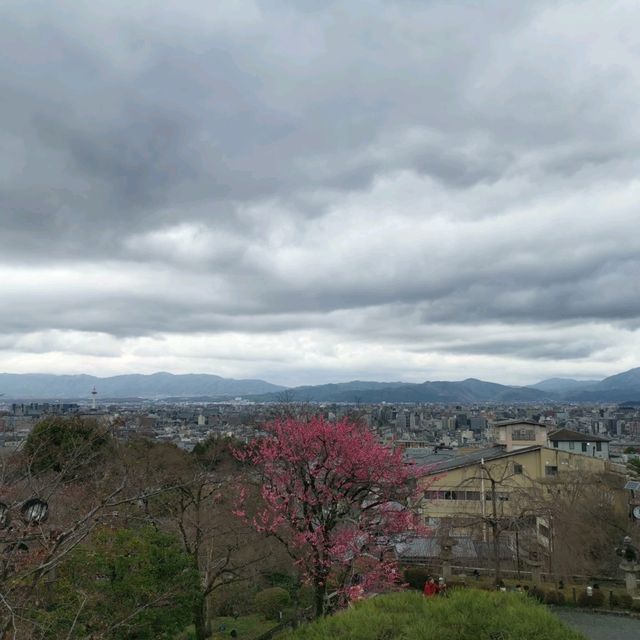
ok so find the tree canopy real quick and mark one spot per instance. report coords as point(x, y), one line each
point(133, 584)
point(335, 497)
point(65, 445)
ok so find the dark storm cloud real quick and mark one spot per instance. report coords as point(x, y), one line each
point(367, 171)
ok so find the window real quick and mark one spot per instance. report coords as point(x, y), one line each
point(572, 445)
point(584, 446)
point(500, 497)
point(453, 494)
point(523, 434)
point(517, 468)
point(555, 444)
point(551, 471)
point(598, 446)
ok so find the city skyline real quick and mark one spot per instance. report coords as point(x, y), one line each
point(320, 192)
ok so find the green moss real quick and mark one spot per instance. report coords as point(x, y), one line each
point(465, 615)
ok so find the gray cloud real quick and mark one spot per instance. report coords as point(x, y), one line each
point(320, 177)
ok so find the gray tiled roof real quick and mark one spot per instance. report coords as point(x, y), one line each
point(567, 435)
point(473, 457)
point(506, 423)
point(465, 547)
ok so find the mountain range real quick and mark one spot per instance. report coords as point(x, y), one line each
point(619, 388)
point(466, 391)
point(156, 385)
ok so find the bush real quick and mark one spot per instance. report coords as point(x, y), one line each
point(415, 577)
point(231, 599)
point(467, 614)
point(271, 602)
point(456, 584)
point(281, 579)
point(554, 597)
point(538, 594)
point(595, 600)
point(306, 596)
point(621, 600)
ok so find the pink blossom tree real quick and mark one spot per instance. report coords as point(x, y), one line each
point(336, 498)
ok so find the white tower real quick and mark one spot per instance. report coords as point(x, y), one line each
point(94, 393)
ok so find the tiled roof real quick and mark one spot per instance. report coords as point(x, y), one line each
point(467, 459)
point(465, 547)
point(567, 435)
point(506, 423)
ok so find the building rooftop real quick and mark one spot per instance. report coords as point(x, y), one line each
point(465, 547)
point(567, 435)
point(506, 423)
point(474, 457)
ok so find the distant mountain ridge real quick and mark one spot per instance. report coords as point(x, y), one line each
point(619, 388)
point(470, 390)
point(563, 385)
point(623, 387)
point(156, 385)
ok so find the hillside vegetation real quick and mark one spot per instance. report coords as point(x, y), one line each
point(464, 615)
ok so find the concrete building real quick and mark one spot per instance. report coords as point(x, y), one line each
point(459, 493)
point(587, 444)
point(519, 434)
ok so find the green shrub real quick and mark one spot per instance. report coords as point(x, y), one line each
point(467, 614)
point(281, 579)
point(187, 634)
point(415, 577)
point(621, 600)
point(272, 601)
point(306, 596)
point(538, 594)
point(595, 600)
point(554, 597)
point(456, 584)
point(231, 599)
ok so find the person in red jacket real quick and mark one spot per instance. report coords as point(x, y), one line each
point(430, 588)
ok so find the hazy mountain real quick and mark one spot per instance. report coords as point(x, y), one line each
point(621, 387)
point(156, 385)
point(627, 380)
point(470, 390)
point(346, 392)
point(562, 385)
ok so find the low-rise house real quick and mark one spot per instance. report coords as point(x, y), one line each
point(587, 444)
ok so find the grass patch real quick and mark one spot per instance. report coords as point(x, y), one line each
point(464, 615)
point(248, 627)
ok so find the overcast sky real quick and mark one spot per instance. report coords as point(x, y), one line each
point(314, 191)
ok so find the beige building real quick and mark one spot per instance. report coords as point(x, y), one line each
point(519, 434)
point(518, 487)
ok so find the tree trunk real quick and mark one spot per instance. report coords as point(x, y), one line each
point(320, 589)
point(496, 554)
point(200, 619)
point(495, 527)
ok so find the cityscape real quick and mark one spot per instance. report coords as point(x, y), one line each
point(319, 320)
